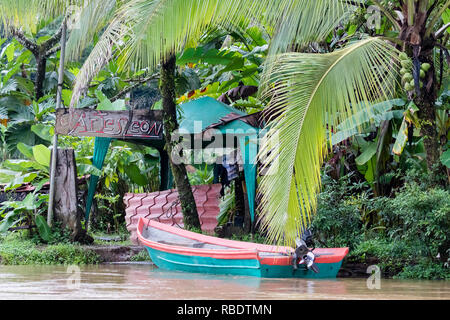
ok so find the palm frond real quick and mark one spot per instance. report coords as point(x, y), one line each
point(3, 113)
point(6, 88)
point(86, 23)
point(304, 22)
point(310, 94)
point(85, 18)
point(27, 14)
point(163, 26)
point(153, 28)
point(98, 58)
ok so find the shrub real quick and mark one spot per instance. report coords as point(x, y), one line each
point(141, 256)
point(338, 220)
point(391, 256)
point(407, 234)
point(425, 269)
point(421, 216)
point(16, 251)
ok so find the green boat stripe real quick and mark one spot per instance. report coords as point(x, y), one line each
point(208, 265)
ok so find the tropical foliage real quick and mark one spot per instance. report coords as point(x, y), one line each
point(406, 235)
point(371, 79)
point(306, 101)
point(359, 85)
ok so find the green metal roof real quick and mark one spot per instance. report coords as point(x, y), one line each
point(196, 115)
point(199, 114)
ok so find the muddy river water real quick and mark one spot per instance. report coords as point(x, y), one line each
point(144, 281)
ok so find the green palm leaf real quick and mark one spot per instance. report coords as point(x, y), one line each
point(153, 28)
point(85, 18)
point(86, 23)
point(27, 14)
point(150, 29)
point(98, 58)
point(3, 113)
point(169, 25)
point(304, 22)
point(310, 94)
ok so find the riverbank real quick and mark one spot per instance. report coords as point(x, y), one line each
point(406, 236)
point(22, 251)
point(119, 253)
point(19, 251)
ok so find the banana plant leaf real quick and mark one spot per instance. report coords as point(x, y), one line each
point(402, 139)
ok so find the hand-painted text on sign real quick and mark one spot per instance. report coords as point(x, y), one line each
point(140, 124)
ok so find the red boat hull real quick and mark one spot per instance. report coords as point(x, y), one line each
point(233, 257)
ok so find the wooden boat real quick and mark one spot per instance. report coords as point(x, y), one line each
point(173, 248)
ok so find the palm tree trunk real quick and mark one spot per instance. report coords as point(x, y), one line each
point(427, 112)
point(421, 45)
point(167, 87)
point(41, 65)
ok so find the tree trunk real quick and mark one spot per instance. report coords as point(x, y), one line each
point(164, 171)
point(427, 115)
point(66, 203)
point(41, 64)
point(40, 52)
point(428, 130)
point(122, 188)
point(167, 87)
point(421, 45)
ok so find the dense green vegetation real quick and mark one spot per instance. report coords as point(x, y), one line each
point(16, 250)
point(407, 234)
point(353, 99)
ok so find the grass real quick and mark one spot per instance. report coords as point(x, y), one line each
point(141, 256)
point(15, 250)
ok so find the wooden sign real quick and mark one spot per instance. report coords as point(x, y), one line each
point(131, 124)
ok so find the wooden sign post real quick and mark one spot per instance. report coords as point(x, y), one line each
point(130, 124)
